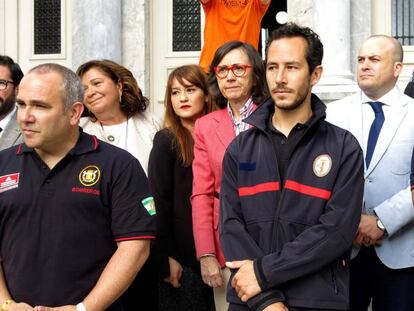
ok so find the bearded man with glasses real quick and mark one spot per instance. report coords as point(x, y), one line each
point(10, 76)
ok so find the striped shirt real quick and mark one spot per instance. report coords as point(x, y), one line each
point(245, 111)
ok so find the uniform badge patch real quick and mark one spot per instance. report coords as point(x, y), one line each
point(149, 205)
point(322, 165)
point(89, 176)
point(8, 182)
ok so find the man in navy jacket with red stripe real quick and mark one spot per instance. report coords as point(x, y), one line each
point(291, 191)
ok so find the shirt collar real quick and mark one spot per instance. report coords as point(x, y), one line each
point(86, 143)
point(260, 117)
point(389, 99)
point(298, 126)
point(245, 111)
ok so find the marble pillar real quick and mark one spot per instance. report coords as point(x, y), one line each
point(96, 30)
point(360, 27)
point(136, 39)
point(332, 21)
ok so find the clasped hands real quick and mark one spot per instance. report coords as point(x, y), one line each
point(25, 307)
point(368, 233)
point(246, 285)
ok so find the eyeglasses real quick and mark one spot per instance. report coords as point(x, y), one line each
point(3, 84)
point(239, 70)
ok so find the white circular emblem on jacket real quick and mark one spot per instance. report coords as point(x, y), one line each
point(322, 165)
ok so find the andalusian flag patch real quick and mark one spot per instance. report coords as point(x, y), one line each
point(149, 205)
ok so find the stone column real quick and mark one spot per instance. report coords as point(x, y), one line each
point(332, 21)
point(96, 30)
point(136, 40)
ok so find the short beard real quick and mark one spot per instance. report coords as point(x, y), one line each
point(295, 105)
point(7, 105)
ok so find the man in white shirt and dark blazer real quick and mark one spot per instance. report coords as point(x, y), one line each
point(10, 76)
point(382, 270)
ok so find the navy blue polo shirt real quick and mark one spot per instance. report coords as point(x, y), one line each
point(59, 227)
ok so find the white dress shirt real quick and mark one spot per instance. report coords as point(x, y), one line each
point(368, 114)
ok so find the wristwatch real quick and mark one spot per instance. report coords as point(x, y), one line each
point(80, 307)
point(380, 225)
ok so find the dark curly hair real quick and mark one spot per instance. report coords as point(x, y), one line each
point(314, 49)
point(16, 73)
point(132, 99)
point(259, 87)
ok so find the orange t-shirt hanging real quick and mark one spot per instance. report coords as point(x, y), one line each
point(228, 20)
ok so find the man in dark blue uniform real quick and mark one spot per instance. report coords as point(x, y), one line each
point(291, 192)
point(76, 214)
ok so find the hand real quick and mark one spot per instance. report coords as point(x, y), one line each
point(244, 281)
point(176, 271)
point(211, 271)
point(61, 308)
point(278, 306)
point(19, 306)
point(368, 232)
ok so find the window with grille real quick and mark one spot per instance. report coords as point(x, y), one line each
point(186, 26)
point(402, 13)
point(47, 27)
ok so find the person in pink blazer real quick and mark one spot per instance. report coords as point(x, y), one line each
point(237, 85)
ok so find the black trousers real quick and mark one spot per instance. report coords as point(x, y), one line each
point(142, 295)
point(234, 307)
point(388, 289)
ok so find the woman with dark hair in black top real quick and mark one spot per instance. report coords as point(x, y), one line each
point(170, 175)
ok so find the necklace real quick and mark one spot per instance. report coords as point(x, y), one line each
point(111, 138)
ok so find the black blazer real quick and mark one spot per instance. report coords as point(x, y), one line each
point(171, 185)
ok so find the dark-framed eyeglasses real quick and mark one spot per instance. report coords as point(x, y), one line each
point(239, 70)
point(3, 84)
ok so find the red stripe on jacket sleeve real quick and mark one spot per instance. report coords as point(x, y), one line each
point(264, 187)
point(142, 237)
point(308, 190)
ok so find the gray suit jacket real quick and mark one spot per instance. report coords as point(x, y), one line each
point(11, 134)
point(387, 179)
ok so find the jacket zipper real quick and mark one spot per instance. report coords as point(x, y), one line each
point(335, 286)
point(273, 245)
point(278, 208)
point(276, 216)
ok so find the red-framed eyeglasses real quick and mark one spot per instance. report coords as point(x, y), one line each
point(239, 70)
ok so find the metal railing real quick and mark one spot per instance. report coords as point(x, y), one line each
point(402, 12)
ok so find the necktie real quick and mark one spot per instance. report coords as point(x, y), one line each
point(374, 130)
